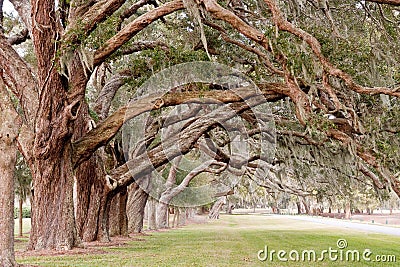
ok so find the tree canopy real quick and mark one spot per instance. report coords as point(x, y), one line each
point(76, 72)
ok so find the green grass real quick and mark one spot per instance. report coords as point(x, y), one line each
point(231, 241)
point(20, 242)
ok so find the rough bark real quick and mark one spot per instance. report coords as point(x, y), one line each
point(137, 199)
point(117, 216)
point(53, 225)
point(133, 28)
point(8, 148)
point(53, 221)
point(151, 213)
point(90, 185)
point(103, 102)
point(92, 12)
point(52, 169)
point(19, 77)
point(162, 215)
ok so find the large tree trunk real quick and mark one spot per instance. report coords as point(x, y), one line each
point(162, 215)
point(53, 221)
point(137, 199)
point(61, 97)
point(8, 134)
point(151, 213)
point(182, 215)
point(90, 184)
point(117, 216)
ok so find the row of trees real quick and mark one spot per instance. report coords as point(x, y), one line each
point(329, 70)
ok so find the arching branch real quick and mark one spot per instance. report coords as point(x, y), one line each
point(106, 130)
point(19, 79)
point(133, 28)
point(315, 46)
point(85, 17)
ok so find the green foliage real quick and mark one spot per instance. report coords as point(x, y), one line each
point(145, 63)
point(23, 178)
point(93, 115)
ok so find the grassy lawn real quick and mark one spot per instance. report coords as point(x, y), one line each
point(232, 241)
point(20, 242)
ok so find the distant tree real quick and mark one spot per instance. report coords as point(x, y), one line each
point(23, 183)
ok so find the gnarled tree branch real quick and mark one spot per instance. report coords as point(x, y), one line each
point(315, 46)
point(106, 130)
point(20, 79)
point(133, 28)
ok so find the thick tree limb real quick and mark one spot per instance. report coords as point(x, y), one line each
point(22, 81)
point(315, 46)
point(172, 191)
point(218, 12)
point(364, 169)
point(133, 28)
point(293, 90)
point(106, 130)
point(85, 17)
point(177, 145)
point(133, 8)
point(103, 102)
point(8, 133)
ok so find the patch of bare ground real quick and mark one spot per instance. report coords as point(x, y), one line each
point(95, 247)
